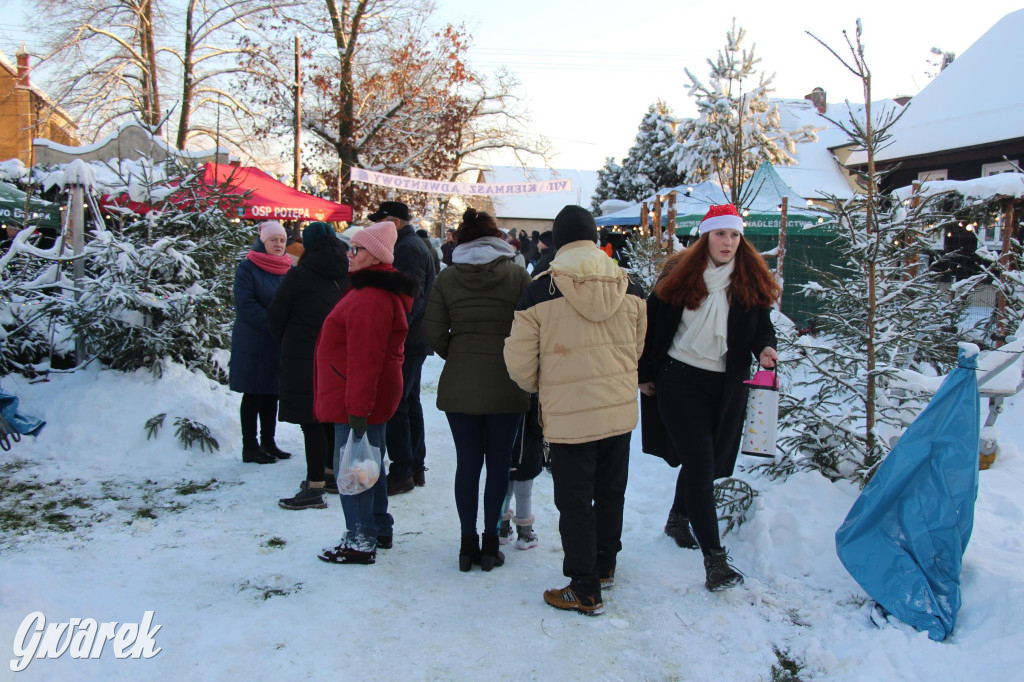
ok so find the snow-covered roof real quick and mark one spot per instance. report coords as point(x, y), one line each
point(540, 206)
point(13, 70)
point(975, 100)
point(816, 170)
point(991, 187)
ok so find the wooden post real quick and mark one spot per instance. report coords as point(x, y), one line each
point(643, 218)
point(780, 260)
point(657, 219)
point(296, 173)
point(1006, 259)
point(914, 261)
point(78, 246)
point(671, 222)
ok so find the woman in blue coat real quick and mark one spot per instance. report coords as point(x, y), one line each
point(254, 352)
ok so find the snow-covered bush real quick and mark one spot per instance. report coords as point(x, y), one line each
point(155, 287)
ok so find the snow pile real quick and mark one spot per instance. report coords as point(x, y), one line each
point(197, 537)
point(12, 170)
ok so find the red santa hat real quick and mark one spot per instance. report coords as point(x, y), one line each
point(724, 217)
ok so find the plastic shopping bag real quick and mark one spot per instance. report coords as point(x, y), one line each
point(762, 415)
point(360, 465)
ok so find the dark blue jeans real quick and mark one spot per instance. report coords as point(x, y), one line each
point(479, 439)
point(405, 436)
point(366, 514)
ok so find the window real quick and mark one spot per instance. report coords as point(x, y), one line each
point(999, 167)
point(941, 174)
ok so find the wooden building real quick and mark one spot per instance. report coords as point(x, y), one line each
point(27, 113)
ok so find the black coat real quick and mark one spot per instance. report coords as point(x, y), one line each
point(412, 257)
point(528, 450)
point(748, 332)
point(304, 299)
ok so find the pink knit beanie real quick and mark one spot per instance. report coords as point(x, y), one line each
point(379, 239)
point(270, 229)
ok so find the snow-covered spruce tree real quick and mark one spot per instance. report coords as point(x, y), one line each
point(880, 310)
point(737, 128)
point(647, 167)
point(162, 288)
point(609, 180)
point(646, 260)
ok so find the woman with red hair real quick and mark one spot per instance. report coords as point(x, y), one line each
point(706, 319)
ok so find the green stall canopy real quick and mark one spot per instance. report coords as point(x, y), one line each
point(40, 213)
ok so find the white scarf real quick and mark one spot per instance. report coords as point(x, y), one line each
point(705, 334)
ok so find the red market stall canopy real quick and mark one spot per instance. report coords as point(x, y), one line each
point(266, 198)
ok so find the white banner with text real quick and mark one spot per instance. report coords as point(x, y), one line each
point(461, 188)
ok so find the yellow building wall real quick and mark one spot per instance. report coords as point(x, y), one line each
point(20, 108)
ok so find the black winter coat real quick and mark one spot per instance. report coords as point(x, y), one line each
point(748, 332)
point(306, 296)
point(413, 258)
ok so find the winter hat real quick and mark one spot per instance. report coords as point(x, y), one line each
point(394, 209)
point(316, 232)
point(516, 244)
point(545, 238)
point(573, 224)
point(379, 239)
point(724, 217)
point(347, 235)
point(271, 228)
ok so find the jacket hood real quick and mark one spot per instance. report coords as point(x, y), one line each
point(327, 259)
point(589, 280)
point(482, 250)
point(383, 276)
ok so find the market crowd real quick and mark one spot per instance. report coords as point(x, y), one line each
point(546, 341)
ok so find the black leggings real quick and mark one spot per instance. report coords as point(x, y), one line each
point(265, 408)
point(690, 404)
point(480, 439)
point(319, 440)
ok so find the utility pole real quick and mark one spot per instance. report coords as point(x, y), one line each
point(298, 115)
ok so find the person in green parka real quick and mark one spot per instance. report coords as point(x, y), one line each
point(468, 317)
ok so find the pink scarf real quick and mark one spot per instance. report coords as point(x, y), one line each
point(275, 265)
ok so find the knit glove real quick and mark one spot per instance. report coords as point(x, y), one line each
point(358, 424)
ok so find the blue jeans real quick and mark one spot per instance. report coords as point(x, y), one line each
point(366, 514)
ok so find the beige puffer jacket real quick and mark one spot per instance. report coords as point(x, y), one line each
point(576, 338)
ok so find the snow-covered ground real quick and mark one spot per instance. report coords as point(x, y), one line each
point(198, 538)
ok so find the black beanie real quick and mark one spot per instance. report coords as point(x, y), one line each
point(545, 238)
point(572, 224)
point(315, 232)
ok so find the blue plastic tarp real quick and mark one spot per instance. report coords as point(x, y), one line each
point(904, 538)
point(29, 426)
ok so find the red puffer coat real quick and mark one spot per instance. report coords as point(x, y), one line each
point(360, 350)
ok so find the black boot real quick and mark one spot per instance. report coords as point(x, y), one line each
point(720, 573)
point(270, 447)
point(490, 555)
point(678, 528)
point(469, 553)
point(256, 455)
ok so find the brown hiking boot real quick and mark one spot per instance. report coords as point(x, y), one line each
point(567, 600)
point(720, 573)
point(607, 579)
point(678, 528)
point(397, 486)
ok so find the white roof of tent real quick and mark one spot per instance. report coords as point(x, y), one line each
point(975, 100)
